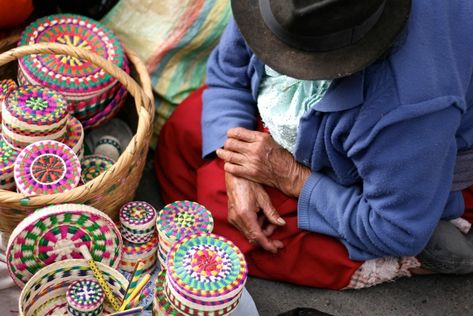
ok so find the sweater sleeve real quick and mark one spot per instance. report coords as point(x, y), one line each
point(406, 164)
point(228, 101)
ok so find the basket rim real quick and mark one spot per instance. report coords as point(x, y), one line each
point(144, 103)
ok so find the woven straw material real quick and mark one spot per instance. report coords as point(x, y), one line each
point(108, 146)
point(161, 304)
point(8, 156)
point(55, 233)
point(133, 252)
point(113, 188)
point(206, 273)
point(66, 73)
point(74, 138)
point(181, 218)
point(93, 166)
point(138, 221)
point(6, 86)
point(46, 167)
point(85, 298)
point(45, 292)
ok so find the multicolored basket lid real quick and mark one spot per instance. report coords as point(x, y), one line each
point(6, 86)
point(205, 272)
point(68, 74)
point(46, 167)
point(45, 292)
point(181, 218)
point(108, 146)
point(8, 156)
point(93, 166)
point(138, 220)
point(33, 113)
point(134, 252)
point(161, 304)
point(74, 138)
point(55, 233)
point(85, 298)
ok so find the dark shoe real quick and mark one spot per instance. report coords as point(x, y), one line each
point(302, 311)
point(448, 251)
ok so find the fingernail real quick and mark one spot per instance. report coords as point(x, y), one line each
point(281, 221)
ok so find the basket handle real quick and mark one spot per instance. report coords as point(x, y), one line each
point(143, 100)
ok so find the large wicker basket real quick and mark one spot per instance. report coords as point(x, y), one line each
point(111, 189)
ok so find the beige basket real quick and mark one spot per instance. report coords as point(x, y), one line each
point(118, 185)
point(46, 290)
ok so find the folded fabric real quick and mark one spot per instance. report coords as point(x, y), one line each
point(173, 40)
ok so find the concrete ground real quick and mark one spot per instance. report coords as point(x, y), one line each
point(420, 295)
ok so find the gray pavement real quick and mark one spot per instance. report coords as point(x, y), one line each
point(421, 295)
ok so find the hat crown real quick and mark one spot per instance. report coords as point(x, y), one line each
point(320, 17)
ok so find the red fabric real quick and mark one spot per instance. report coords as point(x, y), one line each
point(468, 197)
point(307, 258)
point(14, 12)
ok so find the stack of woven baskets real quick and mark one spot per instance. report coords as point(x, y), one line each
point(84, 63)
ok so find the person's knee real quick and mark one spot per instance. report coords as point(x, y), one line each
point(448, 251)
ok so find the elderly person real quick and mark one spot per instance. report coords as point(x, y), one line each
point(326, 139)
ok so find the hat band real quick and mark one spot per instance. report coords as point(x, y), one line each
point(318, 43)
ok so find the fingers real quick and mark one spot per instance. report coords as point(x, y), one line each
point(231, 156)
point(249, 226)
point(268, 209)
point(244, 134)
point(269, 230)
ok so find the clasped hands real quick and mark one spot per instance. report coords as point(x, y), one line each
point(252, 160)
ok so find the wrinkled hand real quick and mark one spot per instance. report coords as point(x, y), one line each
point(245, 200)
point(257, 157)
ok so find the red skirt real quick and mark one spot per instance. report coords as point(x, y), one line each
point(307, 258)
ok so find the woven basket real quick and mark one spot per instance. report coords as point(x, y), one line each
point(47, 288)
point(109, 191)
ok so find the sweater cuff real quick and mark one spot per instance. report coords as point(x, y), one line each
point(303, 204)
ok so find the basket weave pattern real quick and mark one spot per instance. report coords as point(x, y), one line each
point(109, 191)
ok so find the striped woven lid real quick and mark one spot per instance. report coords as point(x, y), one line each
point(206, 267)
point(85, 296)
point(6, 86)
point(55, 233)
point(46, 167)
point(65, 73)
point(35, 105)
point(182, 218)
point(8, 156)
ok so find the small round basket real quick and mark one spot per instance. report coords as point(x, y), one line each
point(45, 292)
point(113, 188)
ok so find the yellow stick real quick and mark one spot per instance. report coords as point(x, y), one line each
point(98, 275)
point(136, 291)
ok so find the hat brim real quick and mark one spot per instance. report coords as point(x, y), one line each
point(319, 65)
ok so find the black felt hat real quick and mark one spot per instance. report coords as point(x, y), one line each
point(320, 39)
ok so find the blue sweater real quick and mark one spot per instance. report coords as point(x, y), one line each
point(382, 143)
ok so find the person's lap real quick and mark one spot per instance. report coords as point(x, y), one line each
point(307, 258)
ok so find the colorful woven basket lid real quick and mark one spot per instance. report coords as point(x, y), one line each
point(35, 106)
point(161, 304)
point(8, 156)
point(45, 292)
point(206, 267)
point(182, 218)
point(46, 167)
point(85, 297)
point(74, 135)
point(138, 215)
point(93, 166)
point(55, 233)
point(65, 73)
point(6, 86)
